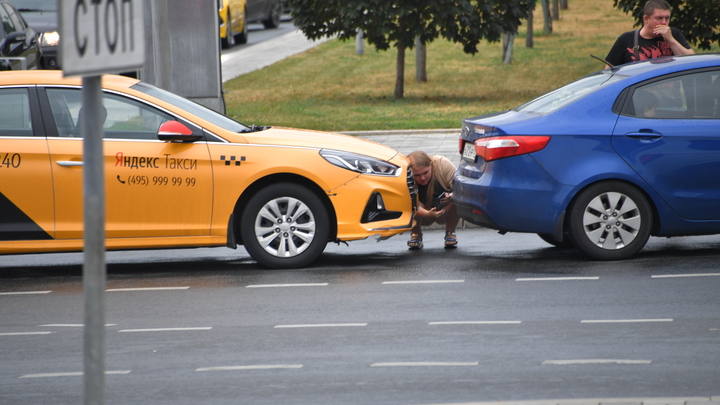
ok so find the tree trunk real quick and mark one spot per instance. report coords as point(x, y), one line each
point(400, 72)
point(507, 41)
point(420, 61)
point(556, 10)
point(359, 43)
point(563, 4)
point(529, 35)
point(547, 18)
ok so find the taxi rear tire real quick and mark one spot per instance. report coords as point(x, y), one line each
point(285, 225)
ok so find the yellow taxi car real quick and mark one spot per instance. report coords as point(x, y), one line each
point(180, 175)
point(233, 24)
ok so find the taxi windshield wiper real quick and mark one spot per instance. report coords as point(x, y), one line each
point(253, 128)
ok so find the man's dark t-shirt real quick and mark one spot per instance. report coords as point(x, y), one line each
point(622, 52)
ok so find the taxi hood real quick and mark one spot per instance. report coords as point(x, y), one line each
point(281, 136)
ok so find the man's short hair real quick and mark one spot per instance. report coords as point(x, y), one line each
point(653, 5)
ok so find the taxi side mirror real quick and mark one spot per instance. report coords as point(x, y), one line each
point(176, 131)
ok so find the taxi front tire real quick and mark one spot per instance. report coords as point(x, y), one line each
point(285, 225)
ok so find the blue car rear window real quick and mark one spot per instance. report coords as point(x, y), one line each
point(565, 95)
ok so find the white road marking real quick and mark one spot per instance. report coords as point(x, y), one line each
point(423, 282)
point(625, 320)
point(556, 278)
point(594, 361)
point(287, 285)
point(165, 329)
point(686, 275)
point(25, 292)
point(146, 289)
point(321, 325)
point(69, 325)
point(74, 374)
point(474, 323)
point(426, 364)
point(253, 367)
point(25, 333)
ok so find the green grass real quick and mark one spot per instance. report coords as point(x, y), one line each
point(330, 88)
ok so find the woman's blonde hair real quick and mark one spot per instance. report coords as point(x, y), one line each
point(421, 159)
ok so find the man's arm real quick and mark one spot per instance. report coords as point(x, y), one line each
point(675, 45)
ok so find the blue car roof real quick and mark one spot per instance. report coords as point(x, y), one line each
point(668, 64)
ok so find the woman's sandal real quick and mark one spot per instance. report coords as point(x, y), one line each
point(450, 240)
point(415, 242)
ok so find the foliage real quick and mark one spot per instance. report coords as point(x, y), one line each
point(386, 23)
point(698, 20)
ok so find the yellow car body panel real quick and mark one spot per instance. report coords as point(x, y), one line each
point(164, 194)
point(236, 9)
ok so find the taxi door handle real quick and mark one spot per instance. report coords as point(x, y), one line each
point(69, 163)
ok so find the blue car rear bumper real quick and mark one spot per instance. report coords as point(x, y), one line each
point(513, 195)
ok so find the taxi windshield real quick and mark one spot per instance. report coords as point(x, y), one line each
point(565, 95)
point(192, 107)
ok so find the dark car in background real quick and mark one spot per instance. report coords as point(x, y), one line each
point(604, 162)
point(19, 47)
point(267, 12)
point(42, 16)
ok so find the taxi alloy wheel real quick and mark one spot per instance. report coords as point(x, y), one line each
point(229, 40)
point(610, 221)
point(285, 226)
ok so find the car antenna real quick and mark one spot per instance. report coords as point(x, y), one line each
point(603, 60)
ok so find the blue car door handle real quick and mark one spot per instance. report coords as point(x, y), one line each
point(646, 136)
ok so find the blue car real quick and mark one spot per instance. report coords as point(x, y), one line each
point(602, 163)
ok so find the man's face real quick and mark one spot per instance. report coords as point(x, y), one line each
point(422, 175)
point(658, 17)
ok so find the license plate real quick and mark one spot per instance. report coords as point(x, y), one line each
point(469, 152)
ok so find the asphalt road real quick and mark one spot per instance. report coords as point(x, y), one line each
point(502, 318)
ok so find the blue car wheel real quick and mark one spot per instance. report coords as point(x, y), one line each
point(610, 221)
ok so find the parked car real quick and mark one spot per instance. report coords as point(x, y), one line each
point(235, 15)
point(19, 47)
point(267, 12)
point(603, 162)
point(180, 175)
point(42, 17)
point(233, 27)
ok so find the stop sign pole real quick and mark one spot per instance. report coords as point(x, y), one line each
point(98, 36)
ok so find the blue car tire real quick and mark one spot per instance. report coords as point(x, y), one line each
point(611, 220)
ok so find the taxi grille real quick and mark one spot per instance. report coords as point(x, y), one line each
point(412, 187)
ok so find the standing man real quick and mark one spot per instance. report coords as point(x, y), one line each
point(653, 40)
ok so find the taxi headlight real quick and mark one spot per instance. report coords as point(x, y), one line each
point(49, 38)
point(360, 163)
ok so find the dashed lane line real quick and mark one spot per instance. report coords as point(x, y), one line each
point(72, 374)
point(146, 289)
point(426, 364)
point(423, 282)
point(287, 285)
point(25, 292)
point(625, 320)
point(164, 329)
point(686, 275)
point(474, 323)
point(251, 367)
point(556, 278)
point(321, 325)
point(594, 361)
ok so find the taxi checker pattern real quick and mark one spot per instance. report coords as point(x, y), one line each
point(181, 175)
point(231, 160)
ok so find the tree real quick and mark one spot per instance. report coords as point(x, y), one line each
point(694, 18)
point(397, 23)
